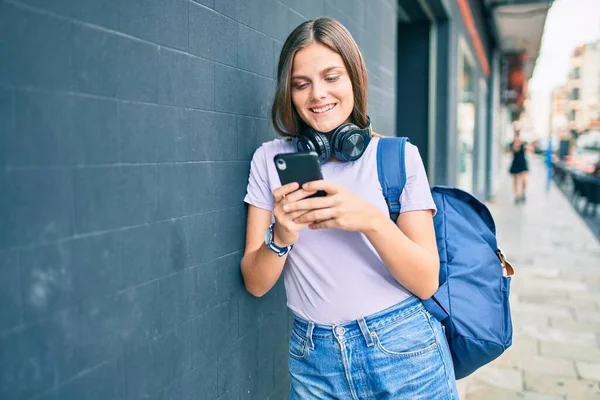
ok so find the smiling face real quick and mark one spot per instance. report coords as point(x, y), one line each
point(321, 80)
point(321, 88)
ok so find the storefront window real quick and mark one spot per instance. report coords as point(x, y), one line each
point(481, 140)
point(466, 121)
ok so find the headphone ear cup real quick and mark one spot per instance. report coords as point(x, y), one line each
point(311, 140)
point(336, 137)
point(302, 143)
point(349, 142)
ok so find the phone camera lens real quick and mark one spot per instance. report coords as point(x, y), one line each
point(281, 164)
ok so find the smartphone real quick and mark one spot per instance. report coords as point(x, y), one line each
point(299, 167)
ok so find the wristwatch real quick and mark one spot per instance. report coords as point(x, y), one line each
point(280, 251)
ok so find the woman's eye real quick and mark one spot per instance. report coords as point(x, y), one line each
point(332, 78)
point(300, 86)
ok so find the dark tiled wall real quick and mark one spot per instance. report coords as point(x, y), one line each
point(126, 131)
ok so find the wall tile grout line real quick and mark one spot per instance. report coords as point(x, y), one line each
point(24, 6)
point(125, 101)
point(120, 229)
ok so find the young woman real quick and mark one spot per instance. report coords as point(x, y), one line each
point(354, 279)
point(518, 167)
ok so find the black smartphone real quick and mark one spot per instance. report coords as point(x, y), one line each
point(299, 167)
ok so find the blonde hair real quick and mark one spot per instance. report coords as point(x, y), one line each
point(330, 33)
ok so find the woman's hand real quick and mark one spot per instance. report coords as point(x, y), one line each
point(286, 228)
point(340, 209)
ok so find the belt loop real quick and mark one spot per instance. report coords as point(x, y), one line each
point(309, 333)
point(365, 331)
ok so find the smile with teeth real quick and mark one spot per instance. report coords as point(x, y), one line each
point(322, 109)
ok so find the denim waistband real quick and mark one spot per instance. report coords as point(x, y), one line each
point(311, 331)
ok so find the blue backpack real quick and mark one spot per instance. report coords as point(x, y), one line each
point(474, 284)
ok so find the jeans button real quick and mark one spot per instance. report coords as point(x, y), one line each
point(340, 330)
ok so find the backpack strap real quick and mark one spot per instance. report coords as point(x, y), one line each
point(391, 170)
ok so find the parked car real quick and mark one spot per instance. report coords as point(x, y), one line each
point(590, 141)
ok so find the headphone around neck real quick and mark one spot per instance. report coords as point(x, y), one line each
point(347, 142)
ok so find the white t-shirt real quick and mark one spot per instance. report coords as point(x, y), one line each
point(333, 276)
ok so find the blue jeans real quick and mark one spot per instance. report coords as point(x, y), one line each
point(398, 353)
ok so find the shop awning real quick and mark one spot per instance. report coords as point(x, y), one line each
point(519, 25)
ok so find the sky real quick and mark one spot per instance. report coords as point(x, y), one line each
point(569, 23)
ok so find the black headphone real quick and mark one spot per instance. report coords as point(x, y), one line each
point(347, 142)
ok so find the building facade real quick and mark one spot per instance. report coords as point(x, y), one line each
point(126, 133)
point(559, 126)
point(583, 86)
point(463, 67)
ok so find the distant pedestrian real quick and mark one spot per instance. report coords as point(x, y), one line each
point(519, 167)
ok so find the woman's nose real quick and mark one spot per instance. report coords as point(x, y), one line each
point(318, 91)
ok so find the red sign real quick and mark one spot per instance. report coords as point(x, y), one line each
point(467, 16)
point(514, 80)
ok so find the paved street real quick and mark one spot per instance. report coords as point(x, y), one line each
point(555, 300)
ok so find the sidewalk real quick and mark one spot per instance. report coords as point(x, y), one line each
point(555, 300)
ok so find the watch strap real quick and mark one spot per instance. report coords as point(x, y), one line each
point(280, 251)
